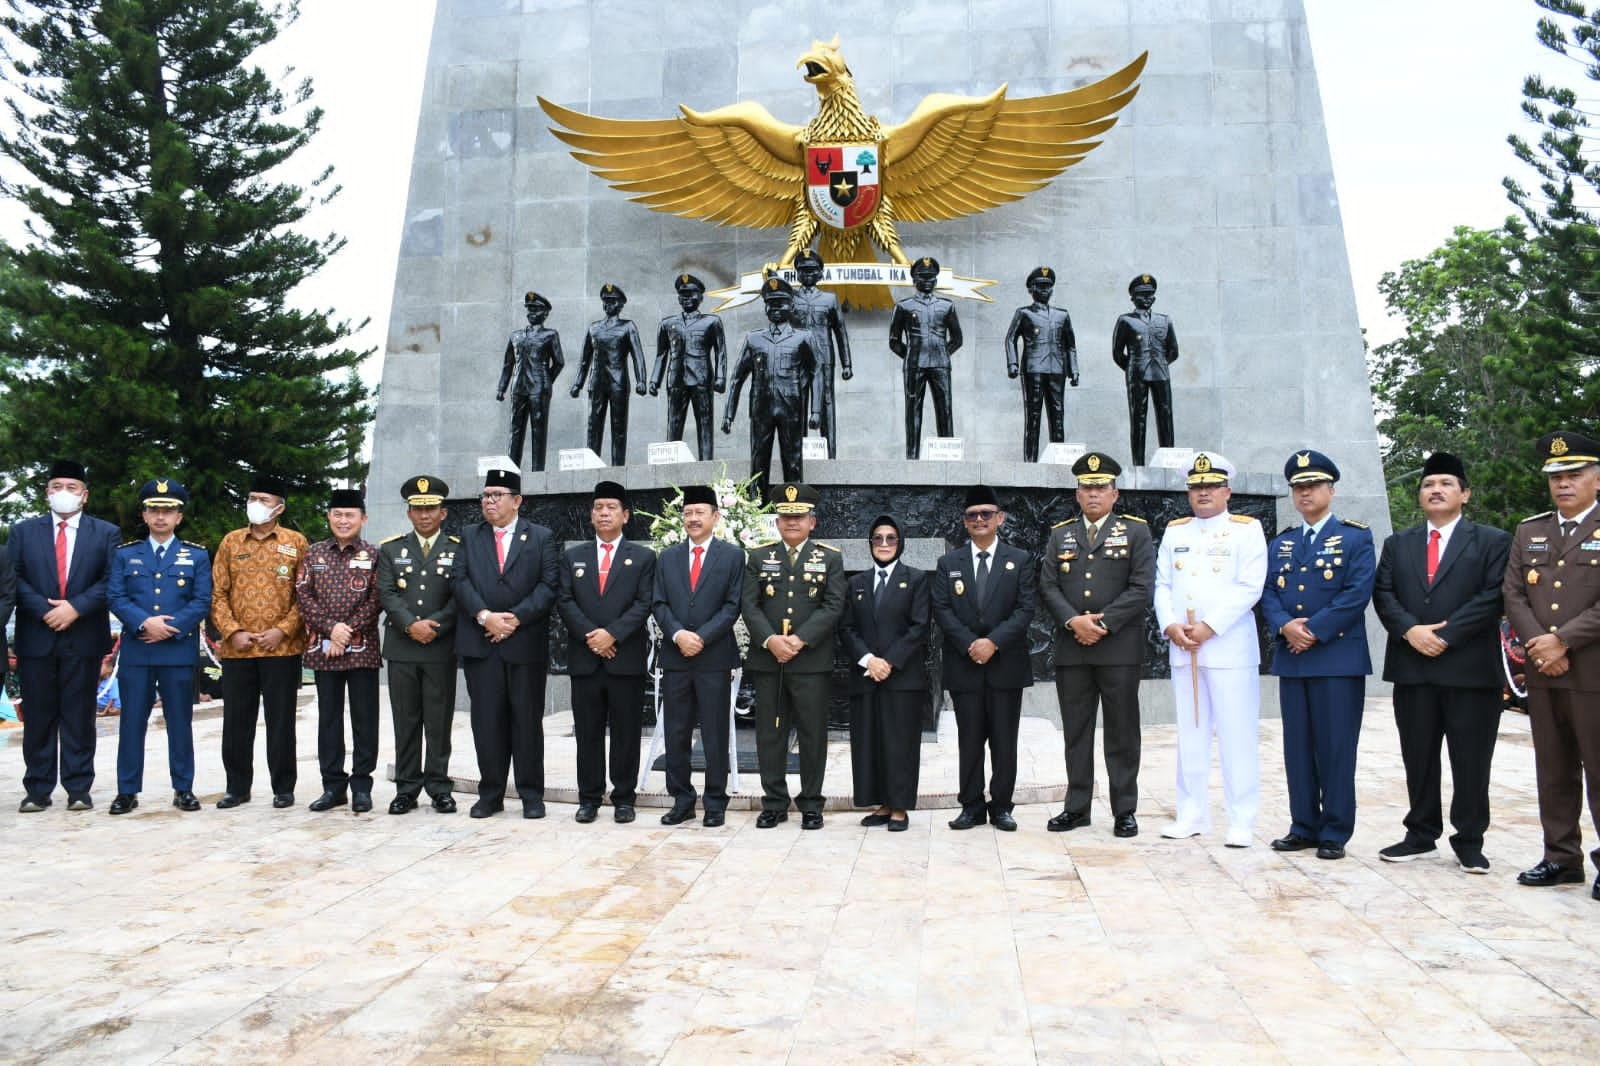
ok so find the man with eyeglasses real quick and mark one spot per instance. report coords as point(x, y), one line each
point(506, 579)
point(1097, 579)
point(983, 601)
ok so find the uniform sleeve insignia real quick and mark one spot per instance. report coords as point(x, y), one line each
point(1354, 524)
point(1536, 517)
point(1181, 521)
point(388, 540)
point(1242, 519)
point(1133, 518)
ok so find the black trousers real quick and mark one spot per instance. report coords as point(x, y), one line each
point(422, 701)
point(678, 403)
point(617, 403)
point(788, 700)
point(918, 382)
point(362, 686)
point(1138, 392)
point(1081, 690)
point(1042, 390)
point(273, 683)
point(987, 716)
point(600, 700)
point(58, 722)
point(790, 432)
point(507, 725)
point(530, 415)
point(1566, 757)
point(886, 746)
point(1468, 721)
point(690, 698)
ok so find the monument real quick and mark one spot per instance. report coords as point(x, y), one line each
point(1214, 177)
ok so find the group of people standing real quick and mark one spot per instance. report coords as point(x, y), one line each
point(483, 600)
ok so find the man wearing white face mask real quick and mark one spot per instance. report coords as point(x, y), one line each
point(253, 608)
point(63, 630)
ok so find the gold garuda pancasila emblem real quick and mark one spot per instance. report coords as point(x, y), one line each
point(844, 174)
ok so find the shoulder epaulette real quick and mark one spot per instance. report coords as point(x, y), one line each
point(1068, 522)
point(130, 543)
point(455, 540)
point(1353, 522)
point(192, 544)
point(1541, 514)
point(765, 544)
point(1133, 518)
point(1244, 519)
point(830, 547)
point(1181, 521)
point(397, 536)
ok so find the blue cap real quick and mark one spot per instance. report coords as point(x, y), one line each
point(1308, 466)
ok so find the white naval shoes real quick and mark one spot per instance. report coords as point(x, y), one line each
point(1179, 830)
point(1238, 837)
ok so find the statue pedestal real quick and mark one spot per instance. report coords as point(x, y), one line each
point(487, 463)
point(667, 451)
point(944, 449)
point(814, 448)
point(580, 459)
point(1062, 454)
point(1173, 458)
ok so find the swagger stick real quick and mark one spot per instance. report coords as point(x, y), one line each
point(1194, 671)
point(776, 717)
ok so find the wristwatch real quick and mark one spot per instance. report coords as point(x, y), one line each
point(481, 615)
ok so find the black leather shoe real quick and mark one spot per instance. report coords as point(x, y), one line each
point(125, 802)
point(232, 799)
point(80, 801)
point(1330, 851)
point(874, 820)
point(1293, 842)
point(1595, 892)
point(713, 819)
point(1550, 873)
point(403, 804)
point(587, 812)
point(968, 819)
point(282, 800)
point(1003, 821)
point(1126, 825)
point(34, 804)
point(899, 825)
point(445, 804)
point(360, 802)
point(185, 800)
point(1067, 821)
point(533, 809)
point(677, 816)
point(623, 813)
point(768, 819)
point(328, 801)
point(811, 820)
point(486, 808)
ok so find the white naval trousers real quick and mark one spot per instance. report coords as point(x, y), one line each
point(1230, 708)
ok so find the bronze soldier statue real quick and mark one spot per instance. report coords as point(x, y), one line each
point(818, 313)
point(693, 357)
point(925, 333)
point(1041, 347)
point(533, 359)
point(1142, 344)
point(616, 343)
point(778, 360)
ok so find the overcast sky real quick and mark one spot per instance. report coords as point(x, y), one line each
point(1419, 96)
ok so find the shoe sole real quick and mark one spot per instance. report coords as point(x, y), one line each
point(1413, 857)
point(1473, 869)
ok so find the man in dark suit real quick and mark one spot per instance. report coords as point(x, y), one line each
point(1438, 596)
point(62, 563)
point(1097, 579)
point(160, 588)
point(1552, 597)
point(983, 601)
point(697, 589)
point(606, 587)
point(793, 595)
point(1319, 582)
point(419, 645)
point(505, 581)
point(8, 600)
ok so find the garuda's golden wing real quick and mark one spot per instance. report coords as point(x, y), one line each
point(957, 155)
point(735, 166)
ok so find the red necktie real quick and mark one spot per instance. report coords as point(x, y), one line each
point(605, 567)
point(694, 569)
point(61, 557)
point(500, 546)
point(1433, 554)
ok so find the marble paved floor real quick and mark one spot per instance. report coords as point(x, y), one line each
point(269, 936)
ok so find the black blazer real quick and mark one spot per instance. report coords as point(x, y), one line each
point(8, 600)
point(621, 610)
point(709, 611)
point(1004, 618)
point(1465, 593)
point(895, 628)
point(527, 589)
point(33, 555)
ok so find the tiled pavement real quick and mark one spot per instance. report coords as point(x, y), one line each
point(256, 935)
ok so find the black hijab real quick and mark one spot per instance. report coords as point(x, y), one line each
point(900, 545)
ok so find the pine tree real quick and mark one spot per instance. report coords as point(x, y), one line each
point(152, 302)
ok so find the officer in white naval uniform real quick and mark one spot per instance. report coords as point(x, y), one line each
point(1209, 574)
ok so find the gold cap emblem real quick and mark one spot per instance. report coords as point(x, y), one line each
point(1094, 462)
point(927, 261)
point(610, 288)
point(1044, 272)
point(772, 283)
point(422, 484)
point(683, 279)
point(161, 486)
point(1303, 460)
point(1202, 464)
point(1558, 446)
point(790, 492)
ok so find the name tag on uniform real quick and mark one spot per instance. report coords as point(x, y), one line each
point(286, 549)
point(1179, 548)
point(816, 568)
point(446, 560)
point(183, 560)
point(770, 566)
point(361, 564)
point(1219, 551)
point(1538, 547)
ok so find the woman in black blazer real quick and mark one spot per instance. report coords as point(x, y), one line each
point(885, 632)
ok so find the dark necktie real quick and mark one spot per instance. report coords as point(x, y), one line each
point(883, 582)
point(161, 556)
point(1568, 525)
point(982, 578)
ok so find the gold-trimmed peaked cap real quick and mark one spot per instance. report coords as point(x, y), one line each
point(424, 491)
point(688, 283)
point(794, 497)
point(1209, 468)
point(924, 265)
point(775, 289)
point(1304, 467)
point(1143, 281)
point(1096, 468)
point(1041, 273)
point(1567, 450)
point(163, 492)
point(531, 300)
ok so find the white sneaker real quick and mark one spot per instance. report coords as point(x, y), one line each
point(1179, 830)
point(1237, 837)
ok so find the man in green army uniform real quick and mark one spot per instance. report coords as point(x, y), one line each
point(419, 646)
point(793, 598)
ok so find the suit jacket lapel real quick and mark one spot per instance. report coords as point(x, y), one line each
point(1460, 542)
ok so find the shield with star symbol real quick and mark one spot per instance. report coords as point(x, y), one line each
point(842, 183)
